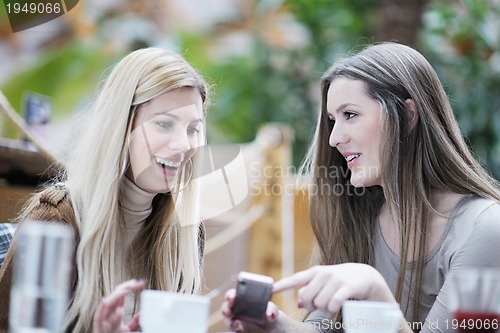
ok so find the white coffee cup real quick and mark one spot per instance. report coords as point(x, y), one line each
point(370, 317)
point(163, 311)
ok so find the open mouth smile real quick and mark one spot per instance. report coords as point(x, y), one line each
point(352, 157)
point(167, 165)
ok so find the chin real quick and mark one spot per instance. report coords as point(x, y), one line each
point(157, 188)
point(154, 188)
point(365, 176)
point(357, 183)
point(363, 182)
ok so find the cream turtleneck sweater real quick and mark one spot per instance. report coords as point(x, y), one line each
point(137, 205)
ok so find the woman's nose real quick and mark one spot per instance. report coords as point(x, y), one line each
point(337, 136)
point(179, 142)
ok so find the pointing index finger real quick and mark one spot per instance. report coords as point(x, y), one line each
point(296, 280)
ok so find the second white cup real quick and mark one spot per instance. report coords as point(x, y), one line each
point(163, 311)
point(370, 317)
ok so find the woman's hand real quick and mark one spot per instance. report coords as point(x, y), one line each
point(108, 317)
point(327, 287)
point(238, 325)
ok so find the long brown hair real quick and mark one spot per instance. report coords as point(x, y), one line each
point(416, 162)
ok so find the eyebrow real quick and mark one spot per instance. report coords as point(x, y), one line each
point(342, 107)
point(168, 114)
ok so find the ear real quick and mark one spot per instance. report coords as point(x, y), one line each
point(412, 114)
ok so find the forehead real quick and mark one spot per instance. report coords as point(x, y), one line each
point(184, 101)
point(345, 90)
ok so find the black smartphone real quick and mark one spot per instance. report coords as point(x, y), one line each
point(253, 292)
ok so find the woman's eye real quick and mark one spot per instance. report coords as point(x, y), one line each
point(349, 115)
point(193, 130)
point(164, 124)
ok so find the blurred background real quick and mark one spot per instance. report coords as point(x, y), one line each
point(264, 59)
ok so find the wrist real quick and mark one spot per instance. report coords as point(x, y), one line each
point(285, 324)
point(379, 290)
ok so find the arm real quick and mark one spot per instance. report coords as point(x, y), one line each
point(285, 324)
point(322, 321)
point(327, 287)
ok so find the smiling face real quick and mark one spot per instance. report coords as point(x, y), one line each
point(357, 129)
point(164, 133)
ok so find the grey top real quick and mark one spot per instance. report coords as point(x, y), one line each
point(471, 238)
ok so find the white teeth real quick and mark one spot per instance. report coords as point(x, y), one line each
point(351, 157)
point(166, 163)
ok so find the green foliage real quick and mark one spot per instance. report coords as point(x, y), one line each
point(462, 40)
point(253, 91)
point(266, 85)
point(68, 76)
point(273, 83)
point(335, 25)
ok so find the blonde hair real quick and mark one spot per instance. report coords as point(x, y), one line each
point(431, 157)
point(166, 252)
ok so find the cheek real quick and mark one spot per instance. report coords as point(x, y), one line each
point(195, 142)
point(373, 140)
point(157, 141)
point(377, 148)
point(140, 157)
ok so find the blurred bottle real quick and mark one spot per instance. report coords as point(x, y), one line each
point(39, 295)
point(37, 110)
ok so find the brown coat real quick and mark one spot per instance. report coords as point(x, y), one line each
point(54, 205)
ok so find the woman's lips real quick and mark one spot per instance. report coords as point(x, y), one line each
point(168, 168)
point(352, 159)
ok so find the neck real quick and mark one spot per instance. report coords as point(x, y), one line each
point(136, 203)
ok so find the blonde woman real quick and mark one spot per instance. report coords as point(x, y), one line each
point(126, 191)
point(400, 203)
